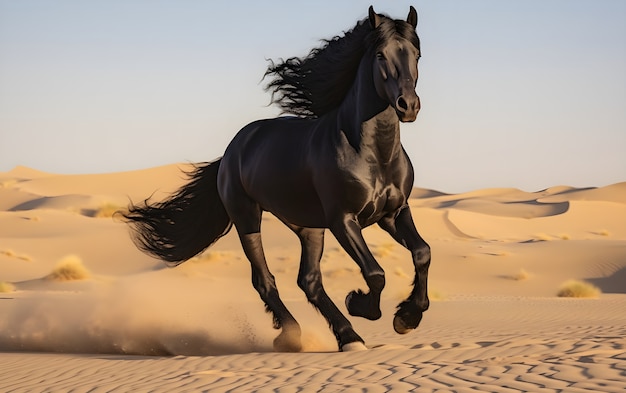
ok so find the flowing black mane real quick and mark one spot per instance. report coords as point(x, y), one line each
point(316, 84)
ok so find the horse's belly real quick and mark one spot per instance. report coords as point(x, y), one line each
point(296, 205)
point(287, 192)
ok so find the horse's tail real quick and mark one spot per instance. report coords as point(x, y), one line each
point(186, 223)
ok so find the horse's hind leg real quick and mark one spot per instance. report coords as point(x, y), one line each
point(246, 216)
point(263, 280)
point(310, 281)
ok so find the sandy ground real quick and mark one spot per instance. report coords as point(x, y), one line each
point(131, 324)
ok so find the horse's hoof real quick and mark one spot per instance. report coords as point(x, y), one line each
point(354, 346)
point(402, 326)
point(360, 305)
point(399, 326)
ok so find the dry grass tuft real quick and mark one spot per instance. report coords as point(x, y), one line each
point(70, 268)
point(521, 275)
point(107, 210)
point(6, 287)
point(579, 289)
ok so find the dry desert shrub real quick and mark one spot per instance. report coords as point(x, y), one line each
point(579, 289)
point(70, 268)
point(521, 275)
point(107, 210)
point(6, 287)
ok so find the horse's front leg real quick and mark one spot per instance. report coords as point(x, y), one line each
point(360, 304)
point(402, 229)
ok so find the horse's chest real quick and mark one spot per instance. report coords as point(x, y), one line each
point(370, 188)
point(383, 200)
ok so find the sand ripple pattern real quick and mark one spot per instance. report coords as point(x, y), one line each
point(584, 360)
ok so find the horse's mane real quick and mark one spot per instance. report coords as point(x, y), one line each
point(316, 84)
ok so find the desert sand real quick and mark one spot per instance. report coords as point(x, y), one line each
point(118, 320)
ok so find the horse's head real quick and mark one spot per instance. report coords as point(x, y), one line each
point(397, 52)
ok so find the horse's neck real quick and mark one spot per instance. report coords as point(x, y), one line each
point(381, 136)
point(368, 122)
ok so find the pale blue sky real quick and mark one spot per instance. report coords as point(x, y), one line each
point(526, 94)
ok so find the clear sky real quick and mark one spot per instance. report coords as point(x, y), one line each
point(526, 94)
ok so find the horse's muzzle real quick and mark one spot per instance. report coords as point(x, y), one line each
point(407, 108)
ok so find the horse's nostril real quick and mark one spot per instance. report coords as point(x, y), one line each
point(402, 104)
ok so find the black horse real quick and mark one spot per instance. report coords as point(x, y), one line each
point(337, 164)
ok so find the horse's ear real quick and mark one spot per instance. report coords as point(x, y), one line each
point(412, 18)
point(374, 18)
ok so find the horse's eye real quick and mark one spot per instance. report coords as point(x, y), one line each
point(380, 56)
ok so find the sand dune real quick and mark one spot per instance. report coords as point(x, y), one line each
point(495, 323)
